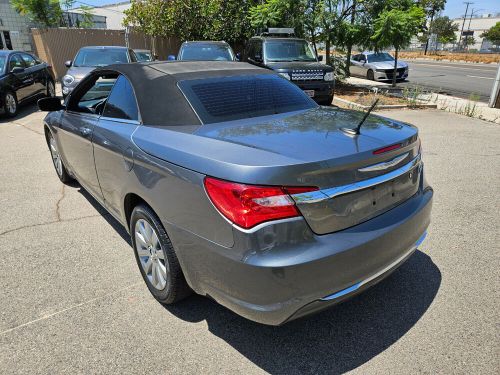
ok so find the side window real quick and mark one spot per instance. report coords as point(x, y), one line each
point(355, 57)
point(93, 95)
point(15, 62)
point(258, 49)
point(28, 60)
point(121, 103)
point(251, 50)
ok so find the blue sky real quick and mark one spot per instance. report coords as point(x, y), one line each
point(454, 8)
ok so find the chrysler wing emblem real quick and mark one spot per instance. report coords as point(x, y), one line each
point(384, 165)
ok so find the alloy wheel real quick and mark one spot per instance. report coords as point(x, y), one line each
point(56, 156)
point(151, 254)
point(10, 103)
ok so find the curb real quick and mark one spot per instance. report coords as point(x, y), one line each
point(385, 106)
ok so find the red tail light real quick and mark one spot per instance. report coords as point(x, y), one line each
point(387, 149)
point(249, 205)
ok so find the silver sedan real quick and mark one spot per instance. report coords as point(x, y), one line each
point(377, 66)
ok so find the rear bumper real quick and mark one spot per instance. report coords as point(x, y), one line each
point(283, 271)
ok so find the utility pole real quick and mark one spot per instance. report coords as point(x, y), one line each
point(467, 3)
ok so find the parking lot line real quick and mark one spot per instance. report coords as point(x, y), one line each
point(480, 77)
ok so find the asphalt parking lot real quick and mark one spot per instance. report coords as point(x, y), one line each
point(73, 301)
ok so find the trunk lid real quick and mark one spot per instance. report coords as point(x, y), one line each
point(355, 182)
point(306, 148)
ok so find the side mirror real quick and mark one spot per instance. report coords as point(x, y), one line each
point(258, 58)
point(17, 70)
point(50, 104)
point(68, 63)
point(171, 58)
point(238, 56)
point(320, 58)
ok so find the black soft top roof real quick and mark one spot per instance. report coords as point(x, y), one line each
point(159, 99)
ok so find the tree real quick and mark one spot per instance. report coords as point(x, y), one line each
point(493, 34)
point(279, 13)
point(87, 17)
point(47, 13)
point(431, 8)
point(151, 17)
point(395, 27)
point(469, 41)
point(444, 28)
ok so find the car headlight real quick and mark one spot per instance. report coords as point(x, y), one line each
point(329, 76)
point(285, 75)
point(68, 80)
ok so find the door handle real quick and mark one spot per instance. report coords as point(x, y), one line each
point(85, 131)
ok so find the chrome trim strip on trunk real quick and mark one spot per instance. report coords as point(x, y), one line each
point(384, 165)
point(354, 287)
point(319, 195)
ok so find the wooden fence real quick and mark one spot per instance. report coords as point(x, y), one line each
point(61, 44)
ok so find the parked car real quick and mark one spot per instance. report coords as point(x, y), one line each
point(377, 66)
point(89, 58)
point(23, 76)
point(205, 50)
point(143, 55)
point(234, 184)
point(295, 60)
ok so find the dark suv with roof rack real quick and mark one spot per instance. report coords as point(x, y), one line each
point(293, 58)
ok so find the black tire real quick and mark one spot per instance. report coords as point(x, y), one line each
point(176, 287)
point(370, 75)
point(61, 172)
point(8, 109)
point(327, 101)
point(48, 92)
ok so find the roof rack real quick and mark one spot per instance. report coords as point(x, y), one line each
point(279, 31)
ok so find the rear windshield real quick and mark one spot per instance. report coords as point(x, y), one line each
point(235, 98)
point(100, 57)
point(206, 52)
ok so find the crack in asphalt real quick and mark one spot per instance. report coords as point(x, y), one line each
point(58, 203)
point(69, 308)
point(26, 127)
point(48, 223)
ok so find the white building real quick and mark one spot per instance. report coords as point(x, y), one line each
point(113, 13)
point(474, 27)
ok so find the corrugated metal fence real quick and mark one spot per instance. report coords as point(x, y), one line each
point(58, 45)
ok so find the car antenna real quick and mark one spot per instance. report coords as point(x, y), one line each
point(355, 131)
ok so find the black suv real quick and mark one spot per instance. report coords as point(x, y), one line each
point(295, 60)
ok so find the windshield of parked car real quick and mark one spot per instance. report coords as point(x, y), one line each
point(206, 52)
point(143, 56)
point(100, 57)
point(288, 50)
point(235, 98)
point(379, 57)
point(3, 60)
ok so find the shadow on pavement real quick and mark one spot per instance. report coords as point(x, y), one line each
point(24, 111)
point(335, 341)
point(105, 214)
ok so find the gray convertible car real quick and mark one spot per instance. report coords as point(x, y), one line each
point(236, 185)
